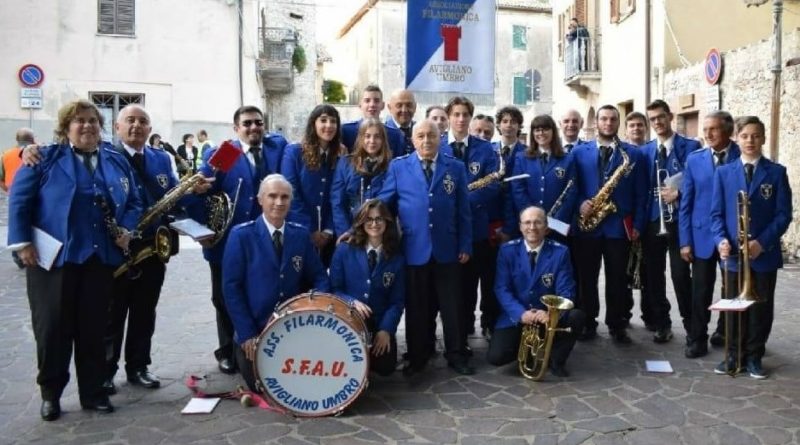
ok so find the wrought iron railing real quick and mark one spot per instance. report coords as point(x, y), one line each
point(581, 56)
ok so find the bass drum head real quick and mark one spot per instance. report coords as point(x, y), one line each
point(312, 362)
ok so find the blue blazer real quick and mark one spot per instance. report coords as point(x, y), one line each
point(247, 207)
point(408, 143)
point(43, 197)
point(346, 193)
point(481, 160)
point(630, 196)
point(770, 210)
point(676, 162)
point(694, 220)
point(518, 288)
point(312, 189)
point(396, 138)
point(435, 219)
point(503, 208)
point(383, 290)
point(254, 280)
point(545, 185)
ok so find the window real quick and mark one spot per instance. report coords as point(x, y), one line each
point(115, 17)
point(520, 93)
point(110, 104)
point(527, 87)
point(622, 9)
point(519, 37)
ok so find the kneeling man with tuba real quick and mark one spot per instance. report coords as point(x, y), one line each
point(534, 287)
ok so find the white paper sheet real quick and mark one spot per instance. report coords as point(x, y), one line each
point(558, 225)
point(199, 405)
point(658, 366)
point(47, 248)
point(733, 304)
point(192, 228)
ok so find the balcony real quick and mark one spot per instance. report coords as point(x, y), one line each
point(582, 64)
point(274, 63)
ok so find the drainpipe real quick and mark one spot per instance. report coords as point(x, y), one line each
point(240, 11)
point(647, 50)
point(775, 117)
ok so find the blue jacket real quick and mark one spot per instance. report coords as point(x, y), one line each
point(247, 207)
point(503, 208)
point(770, 210)
point(481, 160)
point(544, 186)
point(396, 138)
point(44, 194)
point(311, 202)
point(676, 162)
point(383, 290)
point(346, 193)
point(254, 281)
point(694, 221)
point(518, 288)
point(630, 196)
point(408, 143)
point(435, 220)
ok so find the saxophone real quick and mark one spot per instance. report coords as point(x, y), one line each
point(491, 177)
point(602, 205)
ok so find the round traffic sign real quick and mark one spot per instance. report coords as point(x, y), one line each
point(712, 67)
point(31, 75)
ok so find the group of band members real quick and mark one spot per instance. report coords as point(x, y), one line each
point(425, 200)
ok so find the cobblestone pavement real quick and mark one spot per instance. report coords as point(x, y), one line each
point(609, 399)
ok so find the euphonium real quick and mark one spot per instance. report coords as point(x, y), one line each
point(602, 205)
point(536, 341)
point(491, 177)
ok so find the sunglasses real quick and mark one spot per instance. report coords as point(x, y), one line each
point(250, 123)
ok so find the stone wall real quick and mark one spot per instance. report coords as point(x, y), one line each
point(746, 89)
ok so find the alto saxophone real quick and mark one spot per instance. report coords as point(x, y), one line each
point(491, 177)
point(602, 205)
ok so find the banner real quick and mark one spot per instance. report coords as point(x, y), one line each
point(450, 46)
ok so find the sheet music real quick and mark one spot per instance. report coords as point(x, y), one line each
point(557, 225)
point(47, 248)
point(192, 228)
point(199, 405)
point(661, 366)
point(733, 304)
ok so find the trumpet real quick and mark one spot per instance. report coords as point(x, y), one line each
point(665, 211)
point(536, 341)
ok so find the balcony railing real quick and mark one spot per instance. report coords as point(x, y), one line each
point(581, 56)
point(274, 64)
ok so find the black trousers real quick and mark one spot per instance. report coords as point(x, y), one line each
point(384, 364)
point(440, 282)
point(481, 267)
point(224, 323)
point(656, 250)
point(135, 300)
point(69, 307)
point(246, 369)
point(757, 320)
point(504, 345)
point(704, 277)
point(613, 253)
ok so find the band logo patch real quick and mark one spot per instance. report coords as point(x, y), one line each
point(297, 263)
point(560, 173)
point(163, 181)
point(388, 279)
point(474, 168)
point(766, 191)
point(547, 280)
point(125, 184)
point(449, 184)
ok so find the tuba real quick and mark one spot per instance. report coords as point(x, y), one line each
point(536, 341)
point(602, 205)
point(491, 177)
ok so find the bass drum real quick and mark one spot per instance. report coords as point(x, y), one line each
point(312, 357)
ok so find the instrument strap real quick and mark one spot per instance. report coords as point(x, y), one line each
point(192, 382)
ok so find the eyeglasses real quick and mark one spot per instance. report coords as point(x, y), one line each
point(82, 121)
point(374, 220)
point(532, 223)
point(250, 123)
point(658, 117)
point(541, 129)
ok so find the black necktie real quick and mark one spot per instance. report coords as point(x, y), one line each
point(138, 163)
point(426, 167)
point(406, 131)
point(662, 155)
point(458, 150)
point(720, 157)
point(277, 242)
point(259, 165)
point(545, 158)
point(568, 147)
point(748, 172)
point(86, 157)
point(324, 158)
point(505, 151)
point(369, 165)
point(372, 259)
point(606, 154)
point(532, 255)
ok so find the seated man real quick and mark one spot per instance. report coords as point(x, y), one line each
point(527, 269)
point(260, 269)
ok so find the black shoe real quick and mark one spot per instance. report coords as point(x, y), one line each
point(50, 410)
point(468, 351)
point(696, 350)
point(487, 333)
point(101, 405)
point(410, 370)
point(620, 336)
point(588, 333)
point(650, 327)
point(144, 378)
point(109, 387)
point(462, 368)
point(717, 339)
point(227, 366)
point(662, 335)
point(559, 370)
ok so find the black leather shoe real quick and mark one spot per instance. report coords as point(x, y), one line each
point(50, 410)
point(588, 333)
point(227, 366)
point(620, 336)
point(468, 350)
point(662, 335)
point(559, 370)
point(462, 368)
point(410, 370)
point(717, 339)
point(696, 350)
point(102, 405)
point(144, 378)
point(109, 387)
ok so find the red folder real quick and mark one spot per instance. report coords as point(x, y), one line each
point(627, 221)
point(225, 156)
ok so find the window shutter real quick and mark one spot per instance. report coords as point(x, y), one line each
point(615, 11)
point(105, 16)
point(116, 17)
point(520, 93)
point(125, 17)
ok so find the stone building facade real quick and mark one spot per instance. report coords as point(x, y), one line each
point(745, 88)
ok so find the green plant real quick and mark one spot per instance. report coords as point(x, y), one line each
point(333, 91)
point(299, 61)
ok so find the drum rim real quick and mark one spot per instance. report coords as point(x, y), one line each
point(274, 318)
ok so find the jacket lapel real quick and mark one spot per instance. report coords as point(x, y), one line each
point(266, 241)
point(758, 175)
point(441, 166)
point(414, 166)
point(66, 161)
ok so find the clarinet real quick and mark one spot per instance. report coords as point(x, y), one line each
point(115, 231)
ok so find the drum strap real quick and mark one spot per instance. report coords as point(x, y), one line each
point(247, 398)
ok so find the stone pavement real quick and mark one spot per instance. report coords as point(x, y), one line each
point(609, 399)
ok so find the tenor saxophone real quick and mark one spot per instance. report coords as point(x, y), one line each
point(491, 177)
point(602, 205)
